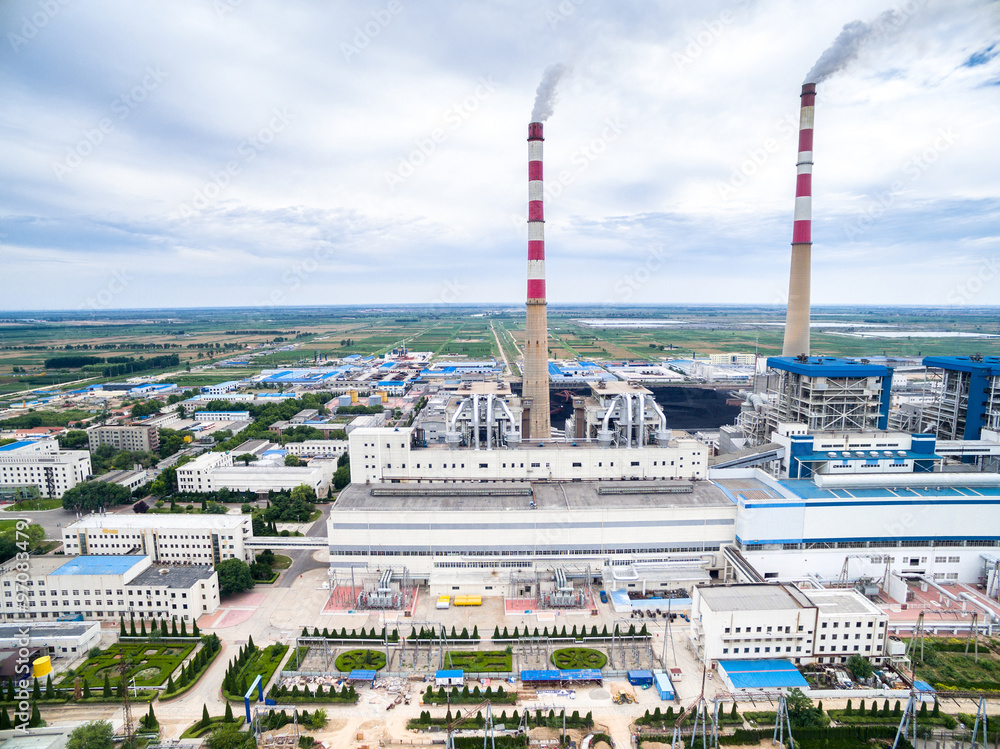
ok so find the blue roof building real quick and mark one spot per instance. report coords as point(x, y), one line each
point(970, 397)
point(100, 565)
point(830, 395)
point(771, 675)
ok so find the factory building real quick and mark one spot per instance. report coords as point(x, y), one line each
point(476, 534)
point(826, 395)
point(919, 526)
point(969, 400)
point(764, 621)
point(134, 438)
point(393, 455)
point(618, 414)
point(856, 452)
point(106, 587)
point(56, 639)
point(167, 539)
point(312, 448)
point(42, 465)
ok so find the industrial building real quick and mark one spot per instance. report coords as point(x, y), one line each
point(131, 480)
point(765, 621)
point(134, 437)
point(969, 399)
point(212, 471)
point(311, 448)
point(394, 454)
point(106, 587)
point(167, 539)
point(56, 639)
point(41, 464)
point(481, 529)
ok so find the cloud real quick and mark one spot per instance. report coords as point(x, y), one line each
point(666, 107)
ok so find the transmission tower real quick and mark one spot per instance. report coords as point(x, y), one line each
point(980, 721)
point(782, 723)
point(908, 723)
point(127, 729)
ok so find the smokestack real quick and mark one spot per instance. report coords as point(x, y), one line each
point(536, 349)
point(797, 317)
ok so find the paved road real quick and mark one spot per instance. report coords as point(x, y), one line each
point(303, 561)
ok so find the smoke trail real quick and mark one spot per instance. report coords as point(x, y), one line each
point(846, 47)
point(545, 96)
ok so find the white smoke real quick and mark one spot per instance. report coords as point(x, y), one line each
point(846, 46)
point(545, 96)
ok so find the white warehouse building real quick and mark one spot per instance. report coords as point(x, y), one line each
point(167, 539)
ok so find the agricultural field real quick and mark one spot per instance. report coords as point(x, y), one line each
point(283, 337)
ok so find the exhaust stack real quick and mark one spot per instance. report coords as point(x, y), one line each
point(797, 316)
point(536, 348)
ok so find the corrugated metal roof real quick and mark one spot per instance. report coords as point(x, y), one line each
point(454, 674)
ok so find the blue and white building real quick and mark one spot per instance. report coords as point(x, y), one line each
point(970, 396)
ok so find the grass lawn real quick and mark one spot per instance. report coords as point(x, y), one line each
point(152, 663)
point(571, 658)
point(197, 730)
point(956, 669)
point(478, 661)
point(265, 662)
point(360, 659)
point(281, 562)
point(34, 505)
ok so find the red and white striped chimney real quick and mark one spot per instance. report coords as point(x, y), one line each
point(536, 352)
point(797, 316)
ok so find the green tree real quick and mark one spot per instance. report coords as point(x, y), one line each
point(802, 713)
point(229, 736)
point(106, 692)
point(234, 576)
point(97, 734)
point(292, 460)
point(228, 718)
point(205, 719)
point(93, 495)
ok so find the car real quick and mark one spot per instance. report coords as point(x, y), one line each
point(604, 597)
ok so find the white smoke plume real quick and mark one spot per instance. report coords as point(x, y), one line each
point(846, 46)
point(545, 96)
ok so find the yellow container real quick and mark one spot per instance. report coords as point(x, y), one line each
point(41, 667)
point(354, 395)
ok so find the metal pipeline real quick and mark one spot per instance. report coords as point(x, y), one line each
point(489, 421)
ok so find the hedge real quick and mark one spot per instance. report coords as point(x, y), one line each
point(249, 662)
point(283, 695)
point(465, 696)
point(190, 675)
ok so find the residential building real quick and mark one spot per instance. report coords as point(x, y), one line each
point(133, 437)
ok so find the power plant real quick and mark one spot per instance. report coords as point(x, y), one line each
point(797, 318)
point(536, 342)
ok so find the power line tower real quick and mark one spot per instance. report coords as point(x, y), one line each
point(916, 638)
point(973, 638)
point(127, 729)
point(782, 723)
point(980, 721)
point(908, 723)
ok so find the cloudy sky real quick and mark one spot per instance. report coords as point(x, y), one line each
point(241, 152)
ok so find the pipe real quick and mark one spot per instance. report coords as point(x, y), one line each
point(458, 411)
point(611, 408)
point(979, 605)
point(628, 419)
point(797, 315)
point(642, 419)
point(475, 419)
point(489, 421)
point(536, 348)
point(939, 588)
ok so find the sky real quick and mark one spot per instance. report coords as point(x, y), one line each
point(203, 153)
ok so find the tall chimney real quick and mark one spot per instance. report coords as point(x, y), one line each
point(797, 317)
point(536, 348)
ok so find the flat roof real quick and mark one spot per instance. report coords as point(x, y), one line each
point(989, 365)
point(763, 674)
point(173, 577)
point(99, 565)
point(581, 674)
point(841, 602)
point(827, 366)
point(16, 445)
point(46, 629)
point(753, 597)
point(133, 521)
point(517, 495)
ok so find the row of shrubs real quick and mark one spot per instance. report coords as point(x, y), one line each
point(192, 671)
point(465, 696)
point(538, 719)
point(380, 636)
point(348, 694)
point(573, 634)
point(160, 630)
